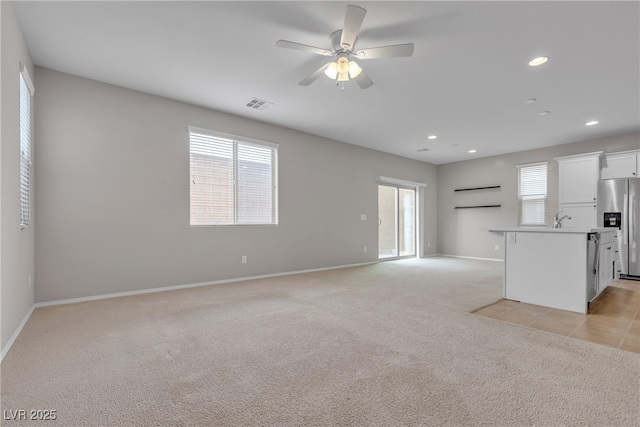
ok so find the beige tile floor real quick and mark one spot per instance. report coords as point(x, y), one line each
point(613, 318)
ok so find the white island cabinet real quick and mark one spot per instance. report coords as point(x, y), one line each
point(556, 267)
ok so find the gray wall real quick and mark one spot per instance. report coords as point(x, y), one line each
point(16, 246)
point(113, 195)
point(463, 232)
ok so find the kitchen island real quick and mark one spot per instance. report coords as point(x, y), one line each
point(563, 268)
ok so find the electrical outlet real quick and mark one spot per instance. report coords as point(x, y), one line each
point(363, 217)
point(511, 237)
point(365, 249)
point(496, 247)
point(244, 259)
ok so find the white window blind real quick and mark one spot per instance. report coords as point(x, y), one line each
point(26, 91)
point(532, 194)
point(233, 182)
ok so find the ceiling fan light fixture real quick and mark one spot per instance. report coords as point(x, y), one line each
point(332, 71)
point(343, 77)
point(343, 64)
point(342, 69)
point(354, 69)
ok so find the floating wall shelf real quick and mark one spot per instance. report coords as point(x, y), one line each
point(480, 206)
point(477, 188)
point(491, 187)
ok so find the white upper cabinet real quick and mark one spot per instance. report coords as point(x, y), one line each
point(620, 165)
point(578, 178)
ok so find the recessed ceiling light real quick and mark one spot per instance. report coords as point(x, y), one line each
point(472, 151)
point(544, 113)
point(538, 61)
point(530, 100)
point(432, 137)
point(592, 122)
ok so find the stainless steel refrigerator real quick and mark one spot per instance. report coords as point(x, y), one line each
point(619, 207)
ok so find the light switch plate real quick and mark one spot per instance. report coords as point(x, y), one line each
point(363, 217)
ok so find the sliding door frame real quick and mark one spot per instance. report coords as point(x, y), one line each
point(418, 189)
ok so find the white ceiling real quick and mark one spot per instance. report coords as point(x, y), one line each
point(467, 81)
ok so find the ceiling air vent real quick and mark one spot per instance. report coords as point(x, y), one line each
point(259, 104)
point(423, 149)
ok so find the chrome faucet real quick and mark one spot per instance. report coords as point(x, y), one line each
point(557, 219)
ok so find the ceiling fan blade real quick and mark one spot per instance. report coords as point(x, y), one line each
point(395, 50)
point(315, 75)
point(352, 22)
point(363, 80)
point(303, 47)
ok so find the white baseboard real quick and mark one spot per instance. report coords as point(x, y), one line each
point(7, 347)
point(189, 285)
point(471, 257)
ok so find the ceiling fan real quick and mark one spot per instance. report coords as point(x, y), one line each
point(342, 47)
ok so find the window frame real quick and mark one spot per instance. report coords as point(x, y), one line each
point(544, 197)
point(237, 140)
point(25, 149)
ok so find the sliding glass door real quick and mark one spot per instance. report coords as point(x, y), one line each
point(407, 222)
point(396, 222)
point(387, 222)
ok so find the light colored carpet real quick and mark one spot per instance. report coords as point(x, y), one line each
point(380, 345)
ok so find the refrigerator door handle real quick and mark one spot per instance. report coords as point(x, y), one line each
point(630, 224)
point(634, 232)
point(625, 220)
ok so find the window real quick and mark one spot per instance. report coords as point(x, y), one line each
point(532, 194)
point(234, 181)
point(26, 91)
